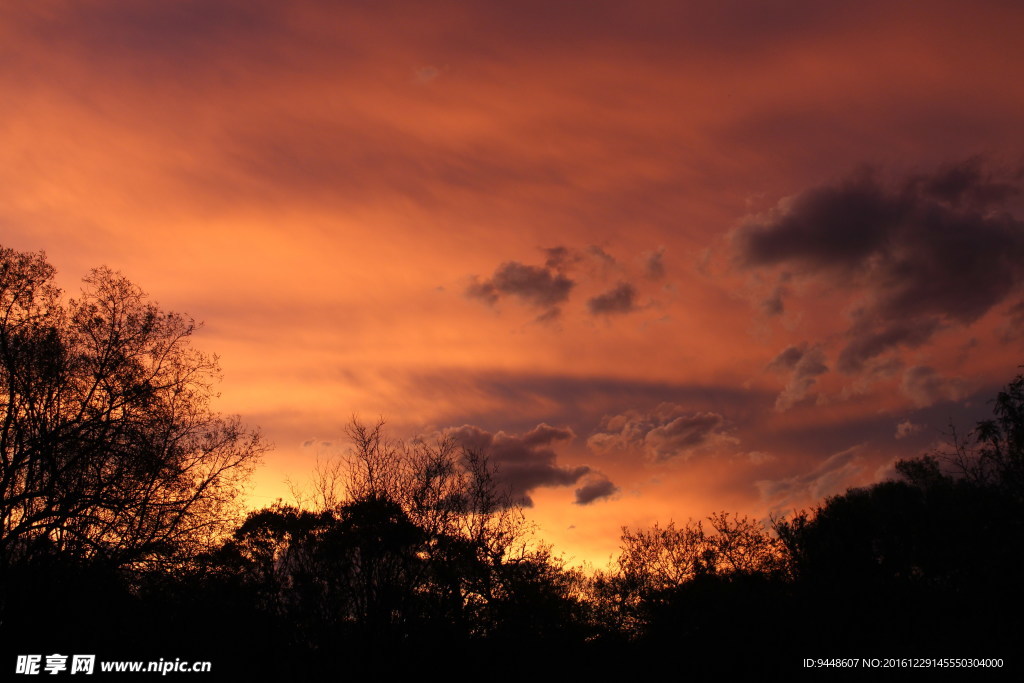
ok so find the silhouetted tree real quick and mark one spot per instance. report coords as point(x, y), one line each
point(932, 559)
point(538, 599)
point(110, 450)
point(1001, 439)
point(990, 456)
point(469, 527)
point(408, 547)
point(662, 572)
point(660, 558)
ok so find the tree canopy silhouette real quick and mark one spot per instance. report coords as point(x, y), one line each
point(399, 546)
point(110, 450)
point(909, 561)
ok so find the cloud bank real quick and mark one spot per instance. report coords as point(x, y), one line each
point(669, 431)
point(922, 254)
point(522, 462)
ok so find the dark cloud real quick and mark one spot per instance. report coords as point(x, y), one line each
point(485, 291)
point(654, 264)
point(870, 338)
point(537, 286)
point(774, 305)
point(516, 401)
point(619, 299)
point(670, 431)
point(560, 258)
point(601, 257)
point(967, 183)
point(788, 358)
point(548, 286)
point(826, 227)
point(550, 315)
point(933, 250)
point(595, 260)
point(925, 386)
point(522, 463)
point(834, 475)
point(595, 490)
point(804, 365)
point(563, 258)
point(793, 440)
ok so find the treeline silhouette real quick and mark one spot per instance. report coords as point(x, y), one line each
point(119, 491)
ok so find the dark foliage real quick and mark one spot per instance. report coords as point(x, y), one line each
point(109, 451)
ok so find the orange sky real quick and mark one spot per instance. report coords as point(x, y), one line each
point(727, 247)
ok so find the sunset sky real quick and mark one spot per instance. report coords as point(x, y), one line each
point(661, 258)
